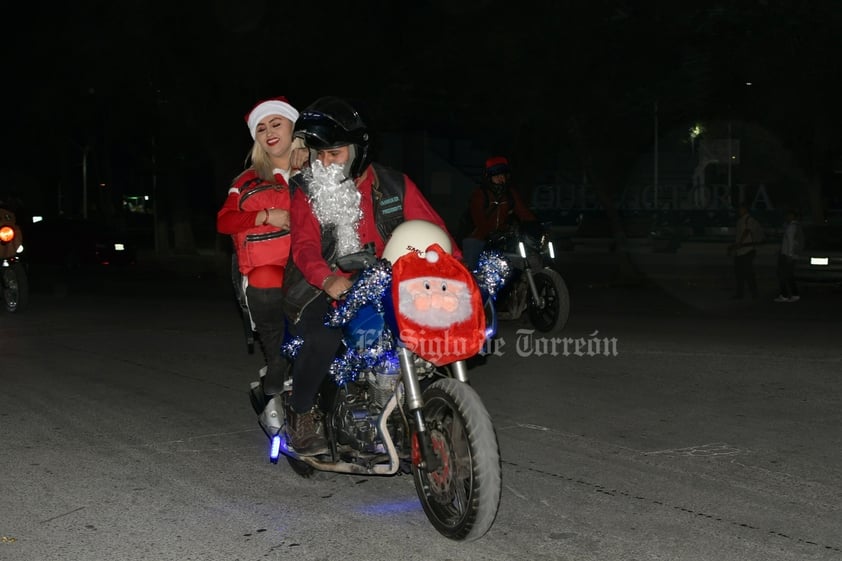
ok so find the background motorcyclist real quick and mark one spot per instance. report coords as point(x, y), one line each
point(494, 205)
point(340, 203)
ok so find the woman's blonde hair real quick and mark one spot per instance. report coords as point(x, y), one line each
point(261, 162)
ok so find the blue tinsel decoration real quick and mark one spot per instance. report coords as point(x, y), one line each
point(367, 289)
point(344, 369)
point(290, 347)
point(492, 272)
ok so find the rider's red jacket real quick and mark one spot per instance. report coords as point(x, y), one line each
point(262, 251)
point(307, 250)
point(492, 213)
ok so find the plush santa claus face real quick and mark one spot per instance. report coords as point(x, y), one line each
point(433, 301)
point(439, 311)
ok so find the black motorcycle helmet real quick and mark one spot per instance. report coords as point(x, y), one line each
point(331, 122)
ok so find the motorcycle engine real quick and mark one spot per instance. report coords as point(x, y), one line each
point(357, 426)
point(361, 405)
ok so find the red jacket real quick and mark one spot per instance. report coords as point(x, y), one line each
point(306, 232)
point(491, 213)
point(256, 246)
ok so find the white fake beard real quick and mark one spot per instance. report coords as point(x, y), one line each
point(336, 203)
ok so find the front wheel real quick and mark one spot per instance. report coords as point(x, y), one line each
point(549, 313)
point(15, 287)
point(462, 496)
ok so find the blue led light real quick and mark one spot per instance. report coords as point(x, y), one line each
point(275, 448)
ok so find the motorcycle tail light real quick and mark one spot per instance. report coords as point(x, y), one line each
point(7, 234)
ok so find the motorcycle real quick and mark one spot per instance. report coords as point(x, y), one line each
point(394, 406)
point(13, 278)
point(536, 287)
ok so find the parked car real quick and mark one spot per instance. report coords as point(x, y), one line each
point(71, 244)
point(821, 259)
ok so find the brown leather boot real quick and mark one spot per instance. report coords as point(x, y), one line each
point(305, 432)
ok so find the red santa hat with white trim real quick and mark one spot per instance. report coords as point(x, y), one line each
point(273, 106)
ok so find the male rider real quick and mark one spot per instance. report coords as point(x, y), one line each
point(493, 206)
point(340, 203)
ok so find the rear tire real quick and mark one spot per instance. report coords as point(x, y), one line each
point(553, 315)
point(462, 496)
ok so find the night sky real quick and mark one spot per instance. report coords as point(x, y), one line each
point(130, 79)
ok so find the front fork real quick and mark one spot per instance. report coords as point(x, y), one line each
point(533, 290)
point(427, 459)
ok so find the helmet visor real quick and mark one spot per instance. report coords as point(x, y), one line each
point(320, 132)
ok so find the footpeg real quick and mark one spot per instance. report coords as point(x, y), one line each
point(272, 417)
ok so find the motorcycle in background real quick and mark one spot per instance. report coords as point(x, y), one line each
point(13, 280)
point(536, 287)
point(391, 404)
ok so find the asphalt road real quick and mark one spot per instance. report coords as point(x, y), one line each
point(709, 431)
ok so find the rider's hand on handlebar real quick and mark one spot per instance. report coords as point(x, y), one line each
point(336, 286)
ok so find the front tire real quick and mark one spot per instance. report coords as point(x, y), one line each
point(462, 496)
point(551, 316)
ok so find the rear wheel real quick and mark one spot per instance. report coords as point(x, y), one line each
point(15, 287)
point(552, 309)
point(462, 496)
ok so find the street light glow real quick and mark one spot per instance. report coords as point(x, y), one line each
point(696, 130)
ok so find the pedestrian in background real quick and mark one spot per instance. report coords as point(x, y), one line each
point(792, 242)
point(748, 235)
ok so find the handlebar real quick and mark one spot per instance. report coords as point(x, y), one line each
point(357, 261)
